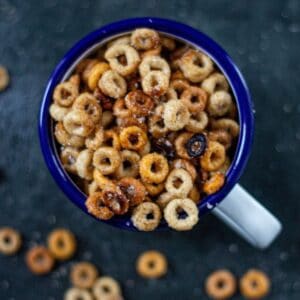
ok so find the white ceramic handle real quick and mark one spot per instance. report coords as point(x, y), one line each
point(248, 218)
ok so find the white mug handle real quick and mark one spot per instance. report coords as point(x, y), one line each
point(240, 211)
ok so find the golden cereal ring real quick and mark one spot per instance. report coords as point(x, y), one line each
point(106, 287)
point(87, 103)
point(168, 43)
point(195, 65)
point(154, 168)
point(65, 93)
point(156, 123)
point(111, 139)
point(84, 164)
point(194, 194)
point(123, 40)
point(177, 75)
point(154, 189)
point(155, 83)
point(120, 110)
point(164, 199)
point(112, 84)
point(107, 118)
point(133, 138)
point(132, 58)
point(106, 160)
point(10, 241)
point(39, 260)
point(62, 244)
point(229, 125)
point(180, 143)
point(146, 216)
point(186, 165)
point(139, 103)
point(220, 285)
point(176, 115)
point(87, 66)
point(83, 275)
point(145, 39)
point(4, 78)
point(102, 181)
point(213, 157)
point(215, 82)
point(133, 189)
point(95, 141)
point(194, 98)
point(95, 74)
point(151, 264)
point(150, 63)
point(66, 139)
point(197, 122)
point(179, 182)
point(78, 122)
point(114, 198)
point(76, 293)
point(58, 112)
point(173, 219)
point(129, 166)
point(214, 184)
point(219, 104)
point(255, 284)
point(221, 136)
point(68, 157)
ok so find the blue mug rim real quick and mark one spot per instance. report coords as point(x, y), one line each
point(182, 31)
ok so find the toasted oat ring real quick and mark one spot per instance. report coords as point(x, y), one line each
point(84, 164)
point(120, 110)
point(194, 194)
point(176, 115)
point(154, 189)
point(173, 219)
point(150, 63)
point(111, 139)
point(219, 104)
point(152, 264)
point(76, 293)
point(146, 216)
point(4, 78)
point(65, 93)
point(180, 143)
point(254, 284)
point(214, 184)
point(213, 157)
point(179, 182)
point(220, 285)
point(129, 166)
point(156, 124)
point(58, 112)
point(221, 136)
point(66, 139)
point(133, 138)
point(101, 180)
point(78, 122)
point(68, 157)
point(194, 98)
point(39, 260)
point(164, 199)
point(133, 189)
point(215, 82)
point(107, 118)
point(139, 103)
point(112, 84)
point(95, 74)
point(10, 241)
point(62, 244)
point(154, 168)
point(186, 165)
point(197, 122)
point(95, 206)
point(228, 125)
point(106, 287)
point(155, 83)
point(145, 39)
point(83, 275)
point(95, 141)
point(106, 160)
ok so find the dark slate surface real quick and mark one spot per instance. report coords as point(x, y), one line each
point(262, 37)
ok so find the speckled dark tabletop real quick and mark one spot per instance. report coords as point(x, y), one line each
point(263, 37)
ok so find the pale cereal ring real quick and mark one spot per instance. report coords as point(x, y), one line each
point(129, 166)
point(154, 168)
point(106, 288)
point(87, 103)
point(39, 260)
point(78, 122)
point(65, 93)
point(139, 103)
point(221, 136)
point(120, 110)
point(229, 125)
point(107, 118)
point(95, 141)
point(214, 184)
point(95, 74)
point(10, 241)
point(83, 275)
point(106, 160)
point(84, 164)
point(186, 165)
point(180, 143)
point(213, 157)
point(68, 157)
point(154, 189)
point(66, 139)
point(156, 123)
point(62, 244)
point(151, 264)
point(102, 181)
point(95, 206)
point(146, 216)
point(197, 122)
point(130, 55)
point(164, 199)
point(4, 78)
point(111, 139)
point(195, 65)
point(76, 294)
point(114, 198)
point(179, 182)
point(194, 194)
point(145, 39)
point(58, 112)
point(168, 43)
point(255, 284)
point(112, 84)
point(133, 138)
point(155, 83)
point(176, 115)
point(150, 63)
point(219, 104)
point(194, 98)
point(177, 206)
point(215, 82)
point(220, 285)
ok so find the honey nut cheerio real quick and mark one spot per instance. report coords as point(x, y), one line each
point(147, 125)
point(10, 241)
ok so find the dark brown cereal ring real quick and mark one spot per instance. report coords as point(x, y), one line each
point(115, 199)
point(220, 285)
point(10, 241)
point(152, 264)
point(77, 294)
point(255, 284)
point(65, 93)
point(4, 78)
point(108, 288)
point(133, 138)
point(194, 98)
point(145, 39)
point(139, 103)
point(83, 275)
point(39, 260)
point(213, 157)
point(95, 206)
point(180, 143)
point(62, 244)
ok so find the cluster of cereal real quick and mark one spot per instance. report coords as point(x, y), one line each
point(147, 124)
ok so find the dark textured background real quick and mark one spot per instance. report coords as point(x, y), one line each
point(263, 39)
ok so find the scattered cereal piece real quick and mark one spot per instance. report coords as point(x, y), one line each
point(106, 288)
point(4, 78)
point(77, 294)
point(10, 241)
point(83, 275)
